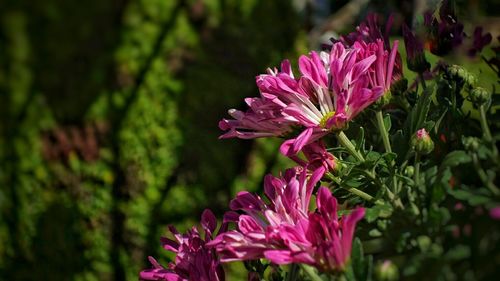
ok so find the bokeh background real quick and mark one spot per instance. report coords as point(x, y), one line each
point(109, 113)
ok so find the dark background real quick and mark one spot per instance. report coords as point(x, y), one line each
point(109, 113)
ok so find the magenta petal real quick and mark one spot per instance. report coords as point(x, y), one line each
point(169, 245)
point(302, 140)
point(208, 220)
point(279, 256)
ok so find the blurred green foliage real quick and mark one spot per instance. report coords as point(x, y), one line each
point(109, 115)
point(108, 124)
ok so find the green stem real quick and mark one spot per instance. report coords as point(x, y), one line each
point(293, 273)
point(486, 132)
point(416, 176)
point(387, 145)
point(484, 124)
point(483, 176)
point(422, 80)
point(383, 131)
point(311, 272)
point(347, 144)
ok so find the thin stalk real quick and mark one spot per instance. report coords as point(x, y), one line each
point(383, 131)
point(484, 124)
point(293, 273)
point(422, 80)
point(387, 144)
point(483, 176)
point(347, 144)
point(311, 272)
point(416, 176)
point(486, 131)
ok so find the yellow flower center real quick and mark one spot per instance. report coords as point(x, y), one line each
point(325, 118)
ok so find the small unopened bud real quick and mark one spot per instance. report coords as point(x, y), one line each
point(422, 142)
point(409, 171)
point(480, 96)
point(415, 56)
point(458, 72)
point(387, 271)
point(471, 143)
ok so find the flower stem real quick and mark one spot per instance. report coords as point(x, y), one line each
point(484, 124)
point(422, 80)
point(387, 144)
point(293, 273)
point(416, 177)
point(383, 131)
point(347, 144)
point(483, 176)
point(311, 272)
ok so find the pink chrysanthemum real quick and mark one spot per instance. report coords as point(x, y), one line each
point(194, 261)
point(333, 88)
point(284, 230)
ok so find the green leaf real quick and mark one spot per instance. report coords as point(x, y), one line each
point(360, 140)
point(455, 158)
point(378, 211)
point(419, 113)
point(387, 122)
point(361, 267)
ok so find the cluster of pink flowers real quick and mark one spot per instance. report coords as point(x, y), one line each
point(194, 261)
point(332, 88)
point(282, 228)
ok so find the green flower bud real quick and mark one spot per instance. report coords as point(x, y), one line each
point(409, 171)
point(386, 271)
point(479, 96)
point(460, 73)
point(422, 142)
point(471, 143)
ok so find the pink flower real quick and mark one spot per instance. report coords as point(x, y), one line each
point(194, 261)
point(495, 213)
point(284, 231)
point(370, 31)
point(333, 89)
point(262, 119)
point(317, 157)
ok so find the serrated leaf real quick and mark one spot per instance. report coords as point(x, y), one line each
point(378, 211)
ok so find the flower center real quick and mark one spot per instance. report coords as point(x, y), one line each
point(325, 118)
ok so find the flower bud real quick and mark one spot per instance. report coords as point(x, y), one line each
point(460, 73)
point(480, 96)
point(409, 171)
point(415, 56)
point(471, 143)
point(386, 271)
point(422, 142)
